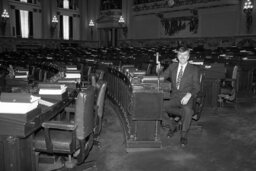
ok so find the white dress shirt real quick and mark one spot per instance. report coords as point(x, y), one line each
point(183, 69)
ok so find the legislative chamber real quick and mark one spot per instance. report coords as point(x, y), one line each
point(80, 89)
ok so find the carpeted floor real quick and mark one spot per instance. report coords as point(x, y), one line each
point(226, 142)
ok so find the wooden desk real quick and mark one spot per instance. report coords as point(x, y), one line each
point(16, 148)
point(140, 110)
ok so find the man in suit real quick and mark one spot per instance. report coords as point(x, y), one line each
point(185, 86)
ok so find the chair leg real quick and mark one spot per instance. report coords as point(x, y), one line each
point(81, 156)
point(70, 163)
point(87, 165)
point(220, 102)
point(36, 161)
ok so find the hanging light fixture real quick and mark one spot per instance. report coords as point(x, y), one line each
point(248, 7)
point(121, 22)
point(54, 19)
point(5, 16)
point(54, 24)
point(91, 25)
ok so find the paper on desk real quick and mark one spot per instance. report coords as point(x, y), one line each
point(51, 92)
point(73, 75)
point(18, 108)
point(71, 68)
point(46, 103)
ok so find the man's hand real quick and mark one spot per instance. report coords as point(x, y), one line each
point(186, 98)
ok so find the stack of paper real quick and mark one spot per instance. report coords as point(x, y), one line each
point(71, 67)
point(21, 74)
point(52, 89)
point(67, 81)
point(137, 73)
point(18, 103)
point(196, 62)
point(151, 79)
point(73, 74)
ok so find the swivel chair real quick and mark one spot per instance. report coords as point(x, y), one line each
point(69, 138)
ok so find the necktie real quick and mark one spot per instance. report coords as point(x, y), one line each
point(179, 77)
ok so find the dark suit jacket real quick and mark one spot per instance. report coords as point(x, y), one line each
point(189, 83)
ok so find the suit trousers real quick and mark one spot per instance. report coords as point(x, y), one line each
point(173, 107)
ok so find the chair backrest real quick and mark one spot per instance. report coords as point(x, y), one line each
point(40, 75)
point(101, 76)
point(84, 117)
point(45, 76)
point(199, 100)
point(234, 75)
point(93, 77)
point(101, 97)
point(89, 71)
point(201, 79)
point(148, 71)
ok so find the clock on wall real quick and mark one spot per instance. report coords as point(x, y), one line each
point(170, 2)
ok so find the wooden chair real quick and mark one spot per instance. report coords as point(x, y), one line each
point(198, 103)
point(85, 83)
point(99, 74)
point(70, 138)
point(100, 88)
point(99, 108)
point(229, 88)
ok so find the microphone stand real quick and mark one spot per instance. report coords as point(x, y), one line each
point(158, 75)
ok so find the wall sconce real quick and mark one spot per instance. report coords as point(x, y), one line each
point(123, 26)
point(248, 7)
point(54, 21)
point(91, 25)
point(54, 24)
point(4, 17)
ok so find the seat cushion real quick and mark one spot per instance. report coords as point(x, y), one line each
point(61, 141)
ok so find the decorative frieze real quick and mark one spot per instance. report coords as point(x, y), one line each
point(143, 5)
point(176, 24)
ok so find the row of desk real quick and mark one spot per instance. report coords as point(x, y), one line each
point(139, 109)
point(16, 148)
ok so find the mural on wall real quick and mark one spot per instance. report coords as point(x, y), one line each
point(176, 24)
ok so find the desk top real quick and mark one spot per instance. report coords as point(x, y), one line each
point(18, 128)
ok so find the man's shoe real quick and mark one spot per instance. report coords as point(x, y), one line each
point(183, 141)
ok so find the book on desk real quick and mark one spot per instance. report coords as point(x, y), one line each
point(73, 74)
point(70, 82)
point(71, 67)
point(151, 79)
point(52, 91)
point(19, 107)
point(21, 74)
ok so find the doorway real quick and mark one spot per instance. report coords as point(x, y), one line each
point(108, 37)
